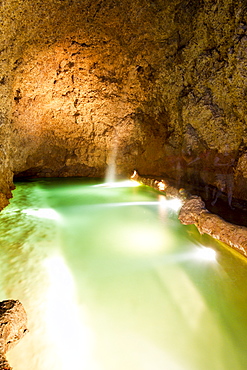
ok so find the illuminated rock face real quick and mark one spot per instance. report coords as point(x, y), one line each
point(13, 327)
point(160, 84)
point(75, 104)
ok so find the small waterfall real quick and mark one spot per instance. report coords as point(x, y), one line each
point(110, 175)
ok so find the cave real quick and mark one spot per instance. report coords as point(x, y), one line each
point(156, 86)
point(163, 83)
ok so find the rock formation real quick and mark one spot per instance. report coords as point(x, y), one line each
point(13, 326)
point(193, 211)
point(160, 83)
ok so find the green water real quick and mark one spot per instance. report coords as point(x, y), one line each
point(111, 281)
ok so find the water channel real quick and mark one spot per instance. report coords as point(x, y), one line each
point(111, 280)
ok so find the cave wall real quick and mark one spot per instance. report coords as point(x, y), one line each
point(90, 92)
point(160, 85)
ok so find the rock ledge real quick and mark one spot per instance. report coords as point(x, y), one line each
point(193, 211)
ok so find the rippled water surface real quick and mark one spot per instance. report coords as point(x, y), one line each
point(112, 281)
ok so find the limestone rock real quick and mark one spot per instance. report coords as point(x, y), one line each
point(13, 326)
point(191, 210)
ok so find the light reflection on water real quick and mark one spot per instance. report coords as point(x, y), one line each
point(110, 280)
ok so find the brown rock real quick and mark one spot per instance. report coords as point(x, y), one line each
point(191, 210)
point(13, 326)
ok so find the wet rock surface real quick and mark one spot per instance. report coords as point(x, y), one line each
point(194, 212)
point(191, 210)
point(162, 85)
point(13, 326)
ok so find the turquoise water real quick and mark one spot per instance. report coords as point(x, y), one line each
point(112, 281)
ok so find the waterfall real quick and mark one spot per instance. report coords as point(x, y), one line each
point(110, 175)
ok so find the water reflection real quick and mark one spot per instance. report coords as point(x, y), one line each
point(66, 321)
point(108, 287)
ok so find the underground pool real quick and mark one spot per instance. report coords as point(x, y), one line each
point(111, 280)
